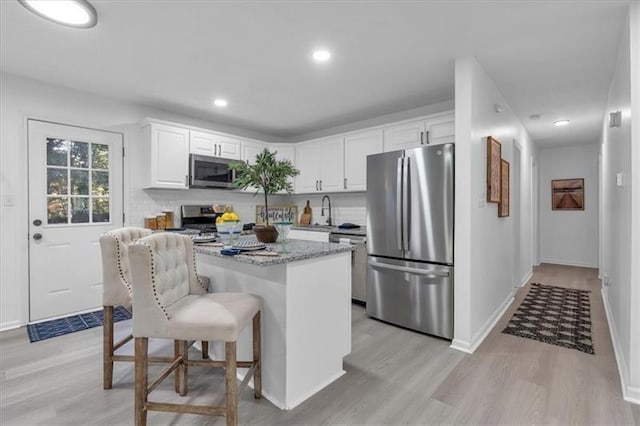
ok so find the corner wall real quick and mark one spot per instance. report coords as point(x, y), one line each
point(620, 154)
point(569, 237)
point(486, 271)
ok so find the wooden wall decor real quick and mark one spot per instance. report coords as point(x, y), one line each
point(567, 194)
point(494, 155)
point(277, 214)
point(503, 206)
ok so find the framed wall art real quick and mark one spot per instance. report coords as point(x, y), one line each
point(503, 205)
point(567, 194)
point(494, 155)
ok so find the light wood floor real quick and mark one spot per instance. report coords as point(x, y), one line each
point(394, 376)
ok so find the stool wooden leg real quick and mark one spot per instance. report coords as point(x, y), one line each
point(107, 347)
point(205, 349)
point(141, 352)
point(178, 372)
point(257, 372)
point(184, 352)
point(231, 383)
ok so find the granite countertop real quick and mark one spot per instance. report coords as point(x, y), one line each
point(296, 250)
point(332, 229)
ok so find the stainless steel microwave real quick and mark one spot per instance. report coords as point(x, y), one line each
point(210, 172)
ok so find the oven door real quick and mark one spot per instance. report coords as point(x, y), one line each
point(210, 172)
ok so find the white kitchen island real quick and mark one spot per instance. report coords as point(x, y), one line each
point(306, 313)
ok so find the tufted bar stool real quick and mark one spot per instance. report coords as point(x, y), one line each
point(168, 304)
point(117, 290)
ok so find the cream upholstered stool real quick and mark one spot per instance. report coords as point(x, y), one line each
point(116, 290)
point(168, 304)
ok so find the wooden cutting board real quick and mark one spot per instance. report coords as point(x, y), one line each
point(305, 218)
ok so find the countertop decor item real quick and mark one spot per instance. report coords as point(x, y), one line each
point(305, 219)
point(268, 175)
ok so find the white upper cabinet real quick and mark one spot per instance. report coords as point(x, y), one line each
point(250, 149)
point(432, 130)
point(168, 151)
point(285, 152)
point(356, 148)
point(440, 129)
point(214, 145)
point(321, 165)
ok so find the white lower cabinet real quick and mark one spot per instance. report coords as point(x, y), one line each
point(168, 152)
point(298, 234)
point(357, 147)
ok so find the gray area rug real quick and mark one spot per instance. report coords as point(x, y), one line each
point(555, 315)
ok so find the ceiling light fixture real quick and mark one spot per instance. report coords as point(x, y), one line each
point(71, 13)
point(321, 55)
point(220, 102)
point(561, 123)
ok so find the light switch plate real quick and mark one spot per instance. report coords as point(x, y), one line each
point(619, 179)
point(8, 200)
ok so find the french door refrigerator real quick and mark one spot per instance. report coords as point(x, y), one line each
point(410, 201)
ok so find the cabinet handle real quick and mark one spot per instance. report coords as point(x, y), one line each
point(427, 137)
point(186, 180)
point(220, 150)
point(317, 185)
point(345, 183)
point(320, 185)
point(421, 138)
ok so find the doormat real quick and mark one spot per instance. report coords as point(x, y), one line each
point(555, 315)
point(61, 326)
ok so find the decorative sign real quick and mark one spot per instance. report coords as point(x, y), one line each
point(277, 214)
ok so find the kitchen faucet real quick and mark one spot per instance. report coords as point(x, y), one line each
point(322, 211)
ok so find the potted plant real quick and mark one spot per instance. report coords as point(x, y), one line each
point(269, 175)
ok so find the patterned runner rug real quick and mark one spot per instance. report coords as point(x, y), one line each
point(70, 324)
point(555, 315)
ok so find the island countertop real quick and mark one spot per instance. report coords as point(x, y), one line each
point(295, 250)
point(361, 231)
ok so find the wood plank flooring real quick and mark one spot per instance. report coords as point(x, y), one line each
point(394, 376)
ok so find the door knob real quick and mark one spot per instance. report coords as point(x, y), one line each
point(37, 236)
point(37, 222)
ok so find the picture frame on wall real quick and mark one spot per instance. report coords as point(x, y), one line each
point(567, 194)
point(504, 205)
point(494, 156)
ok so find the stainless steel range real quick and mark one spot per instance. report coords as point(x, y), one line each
point(199, 217)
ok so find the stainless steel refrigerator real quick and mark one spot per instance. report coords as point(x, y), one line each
point(410, 200)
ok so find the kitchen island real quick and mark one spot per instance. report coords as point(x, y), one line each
point(306, 313)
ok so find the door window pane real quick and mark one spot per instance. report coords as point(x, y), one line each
point(56, 181)
point(80, 210)
point(100, 183)
point(80, 154)
point(101, 209)
point(99, 156)
point(57, 208)
point(57, 150)
point(79, 182)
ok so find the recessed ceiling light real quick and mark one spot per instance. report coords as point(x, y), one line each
point(220, 102)
point(72, 13)
point(561, 123)
point(321, 55)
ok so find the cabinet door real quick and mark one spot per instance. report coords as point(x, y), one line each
point(202, 143)
point(307, 161)
point(404, 136)
point(169, 157)
point(356, 149)
point(250, 150)
point(332, 164)
point(229, 147)
point(440, 130)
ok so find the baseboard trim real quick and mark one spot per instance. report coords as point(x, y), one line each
point(470, 347)
point(9, 325)
point(569, 263)
point(526, 279)
point(629, 393)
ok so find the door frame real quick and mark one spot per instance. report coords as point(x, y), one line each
point(23, 180)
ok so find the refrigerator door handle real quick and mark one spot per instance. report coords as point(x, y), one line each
point(416, 271)
point(406, 206)
point(399, 214)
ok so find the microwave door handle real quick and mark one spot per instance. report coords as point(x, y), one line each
point(399, 203)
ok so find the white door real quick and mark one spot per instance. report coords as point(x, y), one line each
point(229, 147)
point(356, 149)
point(75, 195)
point(308, 162)
point(332, 165)
point(404, 136)
point(202, 143)
point(440, 130)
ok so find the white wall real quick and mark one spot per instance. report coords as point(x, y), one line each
point(620, 153)
point(569, 237)
point(484, 243)
point(23, 98)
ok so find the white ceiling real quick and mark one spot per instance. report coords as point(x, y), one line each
point(555, 58)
